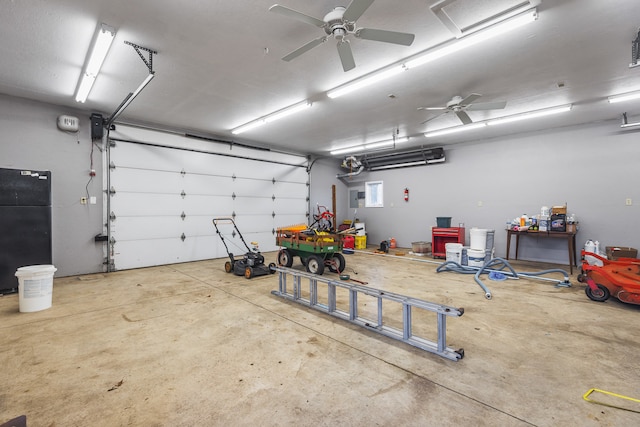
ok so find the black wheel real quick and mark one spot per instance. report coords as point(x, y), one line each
point(248, 272)
point(272, 267)
point(228, 267)
point(580, 277)
point(337, 263)
point(285, 258)
point(315, 265)
point(600, 295)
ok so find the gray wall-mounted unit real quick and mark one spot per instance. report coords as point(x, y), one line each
point(415, 157)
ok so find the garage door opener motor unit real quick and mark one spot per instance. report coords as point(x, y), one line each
point(252, 262)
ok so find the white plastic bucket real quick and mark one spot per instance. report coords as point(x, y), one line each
point(35, 287)
point(478, 238)
point(453, 252)
point(476, 257)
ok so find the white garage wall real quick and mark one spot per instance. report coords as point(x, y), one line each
point(165, 190)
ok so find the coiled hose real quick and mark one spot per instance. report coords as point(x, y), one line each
point(497, 265)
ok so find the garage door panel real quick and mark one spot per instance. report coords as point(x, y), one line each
point(198, 226)
point(141, 156)
point(148, 203)
point(139, 180)
point(252, 188)
point(137, 253)
point(287, 205)
point(253, 206)
point(209, 185)
point(287, 189)
point(207, 205)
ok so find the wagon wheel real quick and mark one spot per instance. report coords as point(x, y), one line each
point(248, 272)
point(228, 267)
point(601, 294)
point(285, 257)
point(315, 265)
point(337, 263)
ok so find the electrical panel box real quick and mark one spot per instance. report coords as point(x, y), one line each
point(68, 123)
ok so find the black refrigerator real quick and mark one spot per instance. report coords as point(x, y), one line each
point(25, 223)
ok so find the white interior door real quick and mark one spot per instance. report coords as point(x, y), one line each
point(165, 194)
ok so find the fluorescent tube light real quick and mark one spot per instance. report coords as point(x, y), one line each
point(99, 52)
point(272, 117)
point(286, 112)
point(530, 115)
point(455, 129)
point(347, 150)
point(399, 165)
point(472, 39)
point(624, 97)
point(370, 146)
point(364, 82)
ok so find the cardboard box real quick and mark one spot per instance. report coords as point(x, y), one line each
point(559, 210)
point(615, 252)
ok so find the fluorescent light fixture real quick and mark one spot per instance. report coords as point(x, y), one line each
point(272, 117)
point(455, 129)
point(370, 146)
point(472, 39)
point(99, 52)
point(366, 81)
point(624, 97)
point(130, 98)
point(399, 165)
point(347, 150)
point(530, 115)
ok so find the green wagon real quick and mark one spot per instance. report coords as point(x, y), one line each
point(316, 249)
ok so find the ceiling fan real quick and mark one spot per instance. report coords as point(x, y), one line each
point(459, 106)
point(340, 23)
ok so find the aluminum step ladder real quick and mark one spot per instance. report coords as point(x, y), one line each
point(310, 299)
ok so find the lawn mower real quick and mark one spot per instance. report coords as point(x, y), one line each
point(252, 262)
point(620, 278)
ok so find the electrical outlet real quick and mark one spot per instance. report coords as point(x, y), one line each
point(628, 202)
point(83, 200)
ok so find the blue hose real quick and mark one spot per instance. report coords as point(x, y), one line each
point(496, 265)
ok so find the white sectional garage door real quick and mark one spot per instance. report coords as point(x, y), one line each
point(166, 189)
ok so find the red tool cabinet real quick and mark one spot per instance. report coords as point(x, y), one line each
point(441, 236)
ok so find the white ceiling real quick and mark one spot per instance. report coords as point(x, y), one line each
point(218, 66)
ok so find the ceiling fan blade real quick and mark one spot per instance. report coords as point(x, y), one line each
point(282, 10)
point(434, 117)
point(498, 105)
point(302, 49)
point(394, 37)
point(355, 9)
point(464, 117)
point(469, 99)
point(346, 57)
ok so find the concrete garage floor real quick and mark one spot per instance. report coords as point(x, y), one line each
point(188, 344)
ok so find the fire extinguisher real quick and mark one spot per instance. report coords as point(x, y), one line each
point(406, 194)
